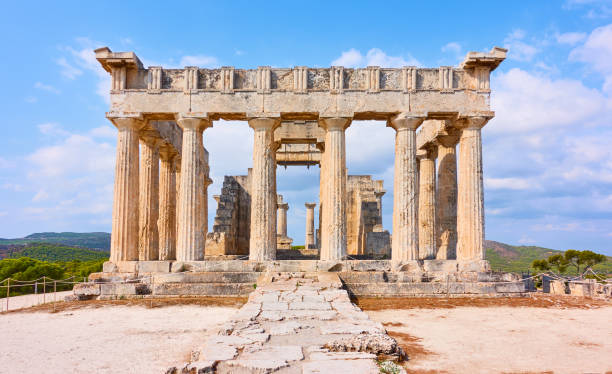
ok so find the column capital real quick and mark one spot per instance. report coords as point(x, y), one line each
point(473, 122)
point(266, 121)
point(193, 120)
point(284, 206)
point(406, 120)
point(335, 123)
point(380, 194)
point(126, 120)
point(151, 140)
point(310, 205)
point(167, 152)
point(429, 152)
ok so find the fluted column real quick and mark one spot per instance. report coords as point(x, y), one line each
point(191, 237)
point(470, 207)
point(427, 205)
point(333, 180)
point(310, 230)
point(124, 235)
point(148, 235)
point(281, 224)
point(379, 195)
point(167, 205)
point(446, 198)
point(404, 245)
point(262, 244)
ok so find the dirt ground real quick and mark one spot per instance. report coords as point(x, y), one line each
point(527, 335)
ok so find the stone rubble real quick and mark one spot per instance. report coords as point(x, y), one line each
point(316, 329)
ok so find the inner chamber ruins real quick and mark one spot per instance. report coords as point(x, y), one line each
point(160, 231)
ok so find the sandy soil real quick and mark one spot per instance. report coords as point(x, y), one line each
point(503, 339)
point(110, 339)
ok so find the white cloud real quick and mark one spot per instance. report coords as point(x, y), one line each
point(41, 195)
point(200, 61)
point(104, 131)
point(13, 187)
point(597, 53)
point(524, 101)
point(239, 52)
point(5, 164)
point(374, 57)
point(46, 87)
point(509, 184)
point(51, 128)
point(68, 70)
point(3, 213)
point(84, 58)
point(31, 99)
point(518, 49)
point(452, 47)
point(570, 38)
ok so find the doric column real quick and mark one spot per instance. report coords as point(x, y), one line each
point(167, 204)
point(124, 236)
point(191, 230)
point(379, 195)
point(310, 234)
point(427, 205)
point(281, 224)
point(404, 245)
point(148, 235)
point(262, 244)
point(333, 179)
point(470, 207)
point(446, 197)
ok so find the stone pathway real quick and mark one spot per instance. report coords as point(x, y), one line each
point(297, 324)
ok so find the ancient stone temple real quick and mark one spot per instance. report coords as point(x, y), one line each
point(299, 116)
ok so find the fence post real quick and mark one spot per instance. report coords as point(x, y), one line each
point(36, 292)
point(44, 289)
point(8, 293)
point(54, 294)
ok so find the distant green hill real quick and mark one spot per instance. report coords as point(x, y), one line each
point(52, 252)
point(93, 240)
point(513, 258)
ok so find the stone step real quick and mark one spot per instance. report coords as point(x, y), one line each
point(208, 277)
point(202, 289)
point(497, 289)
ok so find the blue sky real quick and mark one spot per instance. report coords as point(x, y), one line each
point(547, 154)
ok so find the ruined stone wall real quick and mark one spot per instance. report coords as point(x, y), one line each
point(231, 230)
point(365, 235)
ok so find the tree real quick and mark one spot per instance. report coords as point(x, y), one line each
point(590, 259)
point(540, 265)
point(558, 262)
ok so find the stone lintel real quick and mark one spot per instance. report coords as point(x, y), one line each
point(490, 59)
point(108, 58)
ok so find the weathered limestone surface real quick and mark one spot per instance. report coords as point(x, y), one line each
point(333, 240)
point(232, 226)
point(427, 205)
point(446, 198)
point(148, 243)
point(191, 219)
point(263, 191)
point(309, 243)
point(470, 206)
point(298, 324)
point(124, 235)
point(282, 240)
point(404, 245)
point(364, 217)
point(167, 205)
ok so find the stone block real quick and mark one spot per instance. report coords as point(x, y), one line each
point(479, 265)
point(407, 266)
point(274, 306)
point(371, 265)
point(517, 287)
point(446, 266)
point(583, 288)
point(153, 266)
point(86, 289)
point(559, 287)
point(340, 366)
point(124, 289)
point(309, 306)
point(202, 289)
